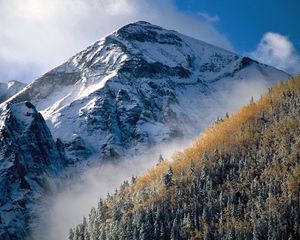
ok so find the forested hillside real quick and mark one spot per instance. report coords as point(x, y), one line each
point(239, 180)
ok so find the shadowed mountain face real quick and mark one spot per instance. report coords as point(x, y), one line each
point(28, 156)
point(140, 86)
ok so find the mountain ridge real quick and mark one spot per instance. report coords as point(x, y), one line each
point(149, 61)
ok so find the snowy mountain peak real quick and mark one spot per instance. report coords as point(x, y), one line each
point(129, 90)
point(9, 89)
point(12, 83)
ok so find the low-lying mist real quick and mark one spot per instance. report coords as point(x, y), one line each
point(66, 208)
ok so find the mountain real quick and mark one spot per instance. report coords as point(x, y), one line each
point(239, 180)
point(139, 86)
point(28, 158)
point(9, 89)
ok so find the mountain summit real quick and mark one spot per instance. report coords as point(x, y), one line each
point(136, 87)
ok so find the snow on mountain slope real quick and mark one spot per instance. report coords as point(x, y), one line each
point(28, 156)
point(139, 86)
point(9, 89)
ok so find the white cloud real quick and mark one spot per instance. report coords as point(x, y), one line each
point(209, 18)
point(118, 7)
point(276, 50)
point(38, 35)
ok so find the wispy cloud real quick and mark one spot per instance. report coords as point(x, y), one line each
point(38, 35)
point(209, 18)
point(277, 50)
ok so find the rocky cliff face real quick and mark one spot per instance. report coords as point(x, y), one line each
point(139, 86)
point(28, 156)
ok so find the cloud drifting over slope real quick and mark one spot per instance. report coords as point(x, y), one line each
point(66, 208)
point(38, 35)
point(276, 50)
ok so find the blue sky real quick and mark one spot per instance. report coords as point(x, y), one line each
point(245, 22)
point(36, 36)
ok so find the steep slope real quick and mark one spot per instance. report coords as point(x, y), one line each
point(139, 86)
point(9, 89)
point(239, 180)
point(28, 156)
